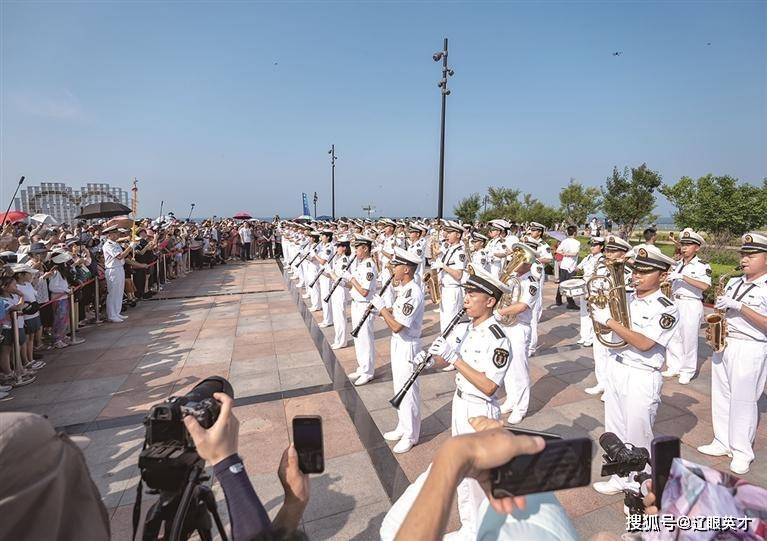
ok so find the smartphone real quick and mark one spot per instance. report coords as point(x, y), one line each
point(562, 464)
point(307, 438)
point(663, 451)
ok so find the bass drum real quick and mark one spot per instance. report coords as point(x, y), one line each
point(574, 287)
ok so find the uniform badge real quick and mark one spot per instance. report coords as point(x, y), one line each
point(500, 357)
point(418, 251)
point(533, 290)
point(407, 308)
point(708, 272)
point(461, 257)
point(667, 321)
point(369, 277)
point(408, 293)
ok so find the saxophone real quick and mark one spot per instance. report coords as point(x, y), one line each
point(716, 324)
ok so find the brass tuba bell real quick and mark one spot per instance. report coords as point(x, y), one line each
point(609, 291)
point(520, 254)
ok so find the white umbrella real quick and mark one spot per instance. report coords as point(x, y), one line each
point(46, 219)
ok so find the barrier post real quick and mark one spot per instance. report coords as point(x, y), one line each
point(164, 269)
point(18, 367)
point(97, 302)
point(73, 319)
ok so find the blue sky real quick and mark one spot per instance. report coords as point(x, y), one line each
point(186, 96)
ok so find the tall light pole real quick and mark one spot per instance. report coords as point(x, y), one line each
point(446, 72)
point(190, 213)
point(315, 204)
point(333, 159)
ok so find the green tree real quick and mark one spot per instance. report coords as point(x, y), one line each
point(578, 203)
point(629, 196)
point(467, 208)
point(533, 210)
point(718, 205)
point(504, 203)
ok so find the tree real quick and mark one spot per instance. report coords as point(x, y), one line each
point(504, 203)
point(629, 197)
point(534, 211)
point(718, 205)
point(467, 208)
point(578, 203)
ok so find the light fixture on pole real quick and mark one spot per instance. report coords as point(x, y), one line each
point(333, 159)
point(446, 72)
point(190, 213)
point(314, 199)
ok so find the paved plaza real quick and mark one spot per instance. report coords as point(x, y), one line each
point(245, 322)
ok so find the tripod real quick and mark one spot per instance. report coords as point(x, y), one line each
point(184, 513)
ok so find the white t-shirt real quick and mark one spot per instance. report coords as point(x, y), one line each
point(569, 246)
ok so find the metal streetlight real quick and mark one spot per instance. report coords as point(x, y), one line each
point(190, 213)
point(333, 159)
point(315, 204)
point(446, 72)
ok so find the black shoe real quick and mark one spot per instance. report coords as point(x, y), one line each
point(573, 307)
point(558, 303)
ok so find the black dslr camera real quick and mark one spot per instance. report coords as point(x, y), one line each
point(623, 460)
point(170, 465)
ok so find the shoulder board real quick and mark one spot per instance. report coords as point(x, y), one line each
point(408, 293)
point(497, 331)
point(370, 264)
point(665, 302)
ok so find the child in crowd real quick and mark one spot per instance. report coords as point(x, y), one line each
point(31, 317)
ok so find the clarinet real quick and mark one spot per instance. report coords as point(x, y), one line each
point(320, 273)
point(397, 400)
point(304, 258)
point(369, 309)
point(294, 258)
point(337, 282)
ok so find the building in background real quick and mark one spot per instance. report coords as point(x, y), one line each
point(64, 203)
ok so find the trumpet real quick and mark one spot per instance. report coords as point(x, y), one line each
point(609, 291)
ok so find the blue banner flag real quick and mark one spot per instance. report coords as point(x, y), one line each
point(306, 204)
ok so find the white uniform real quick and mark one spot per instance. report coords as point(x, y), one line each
point(682, 351)
point(387, 245)
point(454, 257)
point(418, 249)
point(588, 265)
point(310, 271)
point(338, 302)
point(485, 348)
point(497, 246)
point(325, 252)
point(364, 345)
point(633, 383)
point(538, 271)
point(405, 345)
point(517, 379)
point(738, 373)
point(115, 275)
point(481, 259)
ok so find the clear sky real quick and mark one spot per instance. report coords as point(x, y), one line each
point(233, 105)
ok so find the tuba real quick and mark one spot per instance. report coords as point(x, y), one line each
point(609, 291)
point(520, 254)
point(716, 324)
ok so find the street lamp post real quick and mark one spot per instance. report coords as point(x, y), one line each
point(190, 213)
point(446, 72)
point(333, 159)
point(315, 204)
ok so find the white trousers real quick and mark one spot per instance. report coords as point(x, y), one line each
point(517, 378)
point(587, 327)
point(682, 349)
point(364, 344)
point(738, 376)
point(299, 272)
point(536, 317)
point(388, 295)
point(310, 273)
point(409, 412)
point(327, 307)
point(601, 360)
point(451, 303)
point(470, 494)
point(340, 328)
point(632, 397)
point(115, 287)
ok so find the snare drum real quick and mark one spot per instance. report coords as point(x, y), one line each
point(575, 287)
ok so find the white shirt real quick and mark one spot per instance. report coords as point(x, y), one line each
point(408, 311)
point(496, 246)
point(486, 349)
point(246, 235)
point(454, 257)
point(656, 317)
point(751, 294)
point(111, 250)
point(589, 265)
point(568, 246)
point(481, 259)
point(695, 269)
point(528, 294)
point(30, 295)
point(365, 274)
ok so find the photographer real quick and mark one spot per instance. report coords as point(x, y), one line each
point(422, 511)
point(247, 516)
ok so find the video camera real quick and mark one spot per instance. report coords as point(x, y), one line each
point(171, 466)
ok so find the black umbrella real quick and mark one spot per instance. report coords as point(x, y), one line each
point(105, 209)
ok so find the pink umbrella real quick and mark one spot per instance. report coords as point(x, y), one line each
point(242, 216)
point(13, 216)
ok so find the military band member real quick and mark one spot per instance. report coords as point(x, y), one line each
point(739, 373)
point(497, 246)
point(689, 278)
point(324, 254)
point(311, 268)
point(480, 258)
point(386, 244)
point(416, 245)
point(535, 232)
point(479, 350)
point(633, 383)
point(517, 379)
point(361, 280)
point(450, 264)
point(338, 300)
point(588, 266)
point(404, 319)
point(616, 249)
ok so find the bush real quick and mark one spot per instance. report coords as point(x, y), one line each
point(720, 256)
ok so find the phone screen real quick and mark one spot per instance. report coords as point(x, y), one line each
point(562, 464)
point(664, 450)
point(307, 438)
